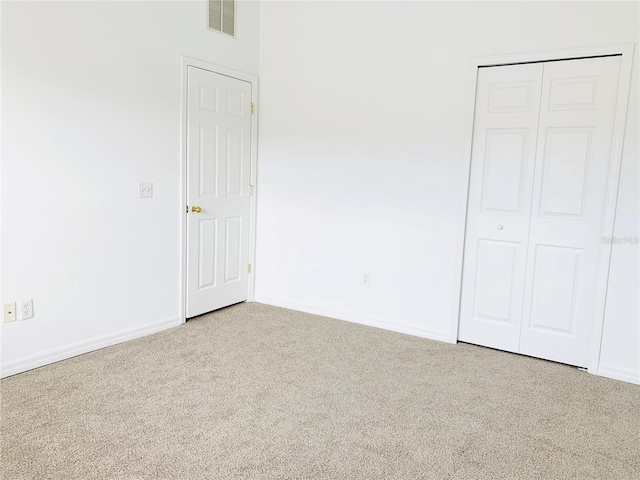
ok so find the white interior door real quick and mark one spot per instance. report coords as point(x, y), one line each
point(218, 178)
point(538, 187)
point(570, 189)
point(502, 166)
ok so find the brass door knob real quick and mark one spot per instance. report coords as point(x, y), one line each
point(195, 209)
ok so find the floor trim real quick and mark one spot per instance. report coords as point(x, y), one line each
point(619, 373)
point(440, 336)
point(30, 362)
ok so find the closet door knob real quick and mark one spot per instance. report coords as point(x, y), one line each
point(499, 227)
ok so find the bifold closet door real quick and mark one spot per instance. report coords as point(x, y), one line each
point(538, 187)
point(570, 187)
point(502, 168)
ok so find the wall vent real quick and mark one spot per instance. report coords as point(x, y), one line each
point(222, 16)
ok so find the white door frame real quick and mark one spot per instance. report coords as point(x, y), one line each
point(624, 49)
point(186, 62)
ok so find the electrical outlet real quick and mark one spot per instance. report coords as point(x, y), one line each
point(145, 190)
point(366, 278)
point(26, 309)
point(9, 312)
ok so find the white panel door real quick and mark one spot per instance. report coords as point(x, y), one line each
point(218, 177)
point(502, 167)
point(570, 187)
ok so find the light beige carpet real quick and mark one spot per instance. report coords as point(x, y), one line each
point(255, 391)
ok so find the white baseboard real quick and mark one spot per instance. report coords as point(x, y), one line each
point(363, 320)
point(619, 373)
point(30, 362)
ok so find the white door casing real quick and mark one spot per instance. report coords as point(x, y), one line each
point(218, 170)
point(502, 166)
point(570, 188)
point(531, 289)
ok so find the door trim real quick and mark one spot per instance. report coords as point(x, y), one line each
point(186, 62)
point(626, 51)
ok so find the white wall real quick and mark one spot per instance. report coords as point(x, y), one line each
point(363, 115)
point(90, 107)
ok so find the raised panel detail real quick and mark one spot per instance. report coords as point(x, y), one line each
point(208, 98)
point(504, 167)
point(207, 231)
point(208, 161)
point(509, 97)
point(234, 163)
point(554, 287)
point(235, 104)
point(495, 266)
point(566, 164)
point(573, 93)
point(232, 257)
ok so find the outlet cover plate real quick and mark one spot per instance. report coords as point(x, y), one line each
point(26, 309)
point(145, 190)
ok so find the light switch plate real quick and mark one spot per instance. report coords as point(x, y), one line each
point(9, 312)
point(145, 190)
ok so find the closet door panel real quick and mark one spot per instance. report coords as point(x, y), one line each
point(569, 191)
point(501, 181)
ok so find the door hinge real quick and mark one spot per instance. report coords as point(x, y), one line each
point(253, 108)
point(251, 190)
point(249, 268)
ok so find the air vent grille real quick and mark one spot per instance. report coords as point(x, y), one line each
point(222, 16)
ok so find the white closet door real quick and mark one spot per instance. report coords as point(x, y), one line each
point(570, 187)
point(502, 167)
